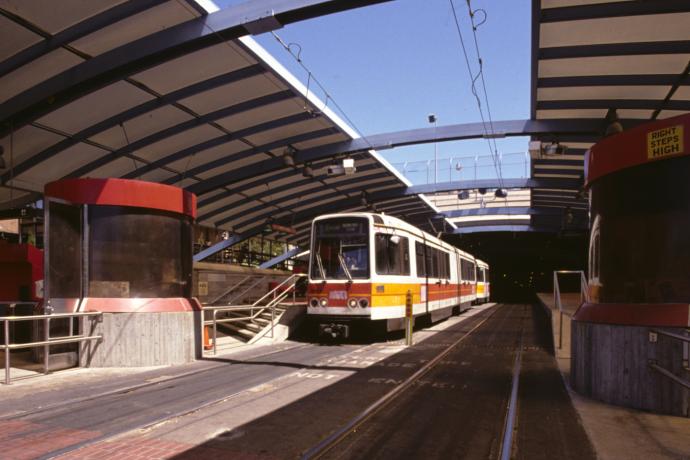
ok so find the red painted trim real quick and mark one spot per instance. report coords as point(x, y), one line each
point(124, 192)
point(662, 315)
point(116, 305)
point(629, 148)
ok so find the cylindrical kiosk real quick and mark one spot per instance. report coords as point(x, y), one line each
point(124, 248)
point(630, 342)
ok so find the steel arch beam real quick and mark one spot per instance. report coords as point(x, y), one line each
point(615, 49)
point(193, 123)
point(306, 202)
point(505, 210)
point(159, 47)
point(613, 10)
point(225, 193)
point(73, 33)
point(254, 169)
point(283, 257)
point(129, 114)
point(292, 185)
point(612, 80)
point(584, 127)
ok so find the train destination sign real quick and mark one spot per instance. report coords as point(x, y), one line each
point(665, 141)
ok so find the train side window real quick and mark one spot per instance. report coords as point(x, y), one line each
point(392, 255)
point(419, 253)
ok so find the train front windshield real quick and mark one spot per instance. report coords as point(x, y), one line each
point(340, 249)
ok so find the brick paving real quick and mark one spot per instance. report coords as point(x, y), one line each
point(145, 448)
point(21, 440)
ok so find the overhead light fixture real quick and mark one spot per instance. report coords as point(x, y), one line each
point(289, 156)
point(613, 125)
point(346, 167)
point(501, 193)
point(432, 118)
point(307, 171)
point(554, 148)
point(481, 191)
point(463, 195)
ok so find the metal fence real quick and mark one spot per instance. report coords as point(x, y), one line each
point(512, 165)
point(47, 341)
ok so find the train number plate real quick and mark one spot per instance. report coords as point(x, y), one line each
point(337, 295)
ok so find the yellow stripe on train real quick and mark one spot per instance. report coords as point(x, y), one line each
point(390, 295)
point(480, 288)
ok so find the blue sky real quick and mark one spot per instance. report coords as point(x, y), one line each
point(390, 65)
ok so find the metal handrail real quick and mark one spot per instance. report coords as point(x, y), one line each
point(686, 357)
point(47, 340)
point(584, 297)
point(277, 299)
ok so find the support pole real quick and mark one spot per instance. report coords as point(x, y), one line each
point(7, 352)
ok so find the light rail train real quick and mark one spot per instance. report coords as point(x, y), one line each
point(362, 266)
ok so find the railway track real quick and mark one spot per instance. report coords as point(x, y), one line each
point(351, 433)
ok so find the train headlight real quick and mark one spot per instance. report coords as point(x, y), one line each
point(363, 303)
point(323, 302)
point(352, 303)
point(314, 302)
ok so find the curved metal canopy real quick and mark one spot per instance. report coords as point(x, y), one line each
point(162, 91)
point(590, 56)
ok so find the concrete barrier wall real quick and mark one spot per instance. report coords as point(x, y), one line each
point(611, 363)
point(143, 339)
point(217, 278)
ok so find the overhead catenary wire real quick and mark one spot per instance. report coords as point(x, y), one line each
point(488, 130)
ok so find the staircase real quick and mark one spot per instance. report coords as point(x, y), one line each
point(248, 323)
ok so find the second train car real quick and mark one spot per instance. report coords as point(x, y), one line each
point(362, 266)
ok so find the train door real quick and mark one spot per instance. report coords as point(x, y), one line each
point(420, 256)
point(458, 279)
point(434, 277)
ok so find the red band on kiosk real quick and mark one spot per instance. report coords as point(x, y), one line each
point(655, 141)
point(660, 315)
point(124, 192)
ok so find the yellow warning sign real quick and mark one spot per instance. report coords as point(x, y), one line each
point(664, 142)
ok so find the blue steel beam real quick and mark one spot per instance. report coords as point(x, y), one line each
point(504, 228)
point(584, 127)
point(127, 115)
point(159, 47)
point(73, 33)
point(493, 184)
point(506, 210)
point(283, 257)
point(221, 245)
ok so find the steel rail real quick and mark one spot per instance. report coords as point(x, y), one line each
point(511, 414)
point(331, 441)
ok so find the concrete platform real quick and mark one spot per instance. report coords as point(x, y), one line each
point(617, 432)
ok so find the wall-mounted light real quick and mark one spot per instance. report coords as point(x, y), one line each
point(554, 148)
point(481, 191)
point(501, 193)
point(307, 171)
point(463, 195)
point(289, 156)
point(613, 125)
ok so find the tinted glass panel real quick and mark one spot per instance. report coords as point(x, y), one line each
point(340, 246)
point(65, 250)
point(139, 253)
